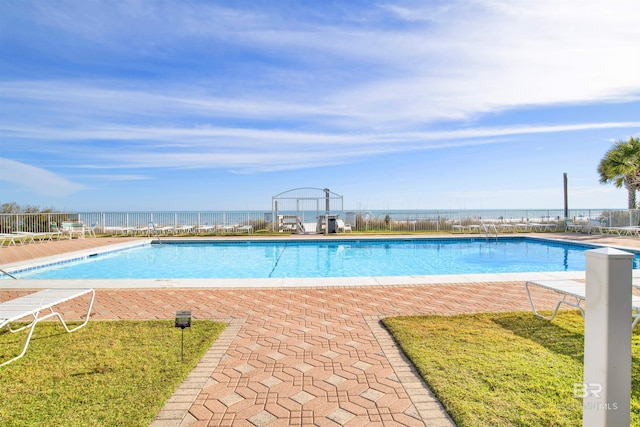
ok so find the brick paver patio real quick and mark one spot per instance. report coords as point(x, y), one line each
point(304, 356)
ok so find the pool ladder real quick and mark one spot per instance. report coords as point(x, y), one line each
point(490, 229)
point(155, 231)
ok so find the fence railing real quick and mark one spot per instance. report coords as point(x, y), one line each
point(384, 221)
point(33, 222)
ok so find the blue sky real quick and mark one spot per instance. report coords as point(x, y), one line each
point(219, 105)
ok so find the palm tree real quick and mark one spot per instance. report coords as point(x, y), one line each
point(621, 165)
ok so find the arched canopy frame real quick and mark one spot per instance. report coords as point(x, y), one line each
point(307, 203)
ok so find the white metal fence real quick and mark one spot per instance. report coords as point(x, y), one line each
point(398, 221)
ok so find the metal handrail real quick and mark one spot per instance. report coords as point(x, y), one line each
point(155, 231)
point(486, 229)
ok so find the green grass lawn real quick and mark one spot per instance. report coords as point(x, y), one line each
point(504, 369)
point(116, 373)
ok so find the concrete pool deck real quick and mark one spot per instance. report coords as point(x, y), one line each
point(300, 354)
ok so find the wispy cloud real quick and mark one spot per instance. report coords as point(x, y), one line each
point(251, 138)
point(469, 58)
point(36, 179)
point(118, 177)
point(242, 149)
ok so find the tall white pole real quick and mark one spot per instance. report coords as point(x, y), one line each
point(607, 339)
point(566, 196)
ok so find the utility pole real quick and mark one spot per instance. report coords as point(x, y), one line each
point(566, 198)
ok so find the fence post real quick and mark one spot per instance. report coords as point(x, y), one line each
point(607, 339)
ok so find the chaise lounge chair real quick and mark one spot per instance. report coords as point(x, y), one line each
point(40, 306)
point(227, 228)
point(13, 239)
point(55, 231)
point(458, 227)
point(204, 228)
point(73, 228)
point(186, 229)
point(248, 228)
point(572, 293)
point(30, 237)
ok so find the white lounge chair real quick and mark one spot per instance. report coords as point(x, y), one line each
point(342, 226)
point(227, 228)
point(631, 231)
point(205, 228)
point(474, 228)
point(14, 238)
point(142, 230)
point(542, 227)
point(571, 225)
point(55, 231)
point(33, 305)
point(504, 227)
point(31, 237)
point(186, 229)
point(125, 231)
point(164, 229)
point(247, 227)
point(572, 293)
point(91, 230)
point(73, 228)
point(7, 238)
point(458, 227)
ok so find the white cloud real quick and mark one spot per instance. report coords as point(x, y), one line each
point(241, 138)
point(118, 177)
point(456, 61)
point(249, 149)
point(497, 55)
point(39, 180)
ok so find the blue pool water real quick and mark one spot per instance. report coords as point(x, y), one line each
point(344, 258)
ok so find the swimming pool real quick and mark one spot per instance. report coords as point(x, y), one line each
point(322, 258)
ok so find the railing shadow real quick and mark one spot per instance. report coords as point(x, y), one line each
point(548, 334)
point(567, 341)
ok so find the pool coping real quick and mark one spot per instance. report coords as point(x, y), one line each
point(72, 256)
